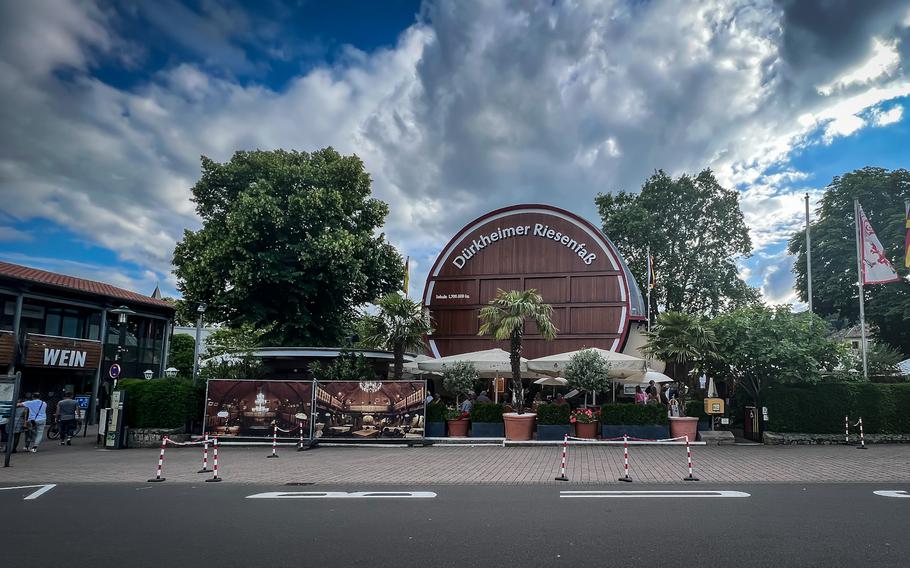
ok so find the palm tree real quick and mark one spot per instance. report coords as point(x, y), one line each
point(400, 325)
point(685, 342)
point(504, 318)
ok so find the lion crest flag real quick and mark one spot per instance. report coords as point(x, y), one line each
point(876, 268)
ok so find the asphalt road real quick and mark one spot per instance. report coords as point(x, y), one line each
point(217, 525)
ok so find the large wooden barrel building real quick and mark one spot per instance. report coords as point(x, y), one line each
point(575, 267)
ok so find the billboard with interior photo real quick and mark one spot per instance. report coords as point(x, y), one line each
point(249, 408)
point(369, 410)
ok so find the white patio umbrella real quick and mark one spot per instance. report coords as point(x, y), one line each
point(621, 365)
point(411, 367)
point(552, 382)
point(490, 363)
point(643, 379)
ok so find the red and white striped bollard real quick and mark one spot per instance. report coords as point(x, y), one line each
point(205, 455)
point(625, 459)
point(158, 477)
point(300, 439)
point(847, 430)
point(689, 477)
point(862, 438)
point(214, 461)
point(562, 467)
point(274, 453)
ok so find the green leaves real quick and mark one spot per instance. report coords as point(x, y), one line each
point(459, 378)
point(588, 371)
point(505, 315)
point(289, 239)
point(696, 231)
point(399, 325)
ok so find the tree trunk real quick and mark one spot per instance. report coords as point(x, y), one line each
point(515, 360)
point(399, 362)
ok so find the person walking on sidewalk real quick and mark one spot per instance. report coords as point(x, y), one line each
point(66, 417)
point(37, 419)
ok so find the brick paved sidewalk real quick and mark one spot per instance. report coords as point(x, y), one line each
point(460, 465)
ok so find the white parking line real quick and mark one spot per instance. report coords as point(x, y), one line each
point(903, 494)
point(627, 494)
point(35, 494)
point(344, 495)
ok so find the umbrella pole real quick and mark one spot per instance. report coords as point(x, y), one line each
point(614, 390)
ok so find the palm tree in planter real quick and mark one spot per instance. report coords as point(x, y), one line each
point(400, 325)
point(589, 372)
point(459, 379)
point(685, 342)
point(504, 318)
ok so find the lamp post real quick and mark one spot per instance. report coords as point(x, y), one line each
point(123, 313)
point(171, 372)
point(201, 311)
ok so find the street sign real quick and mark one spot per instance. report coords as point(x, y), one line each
point(115, 371)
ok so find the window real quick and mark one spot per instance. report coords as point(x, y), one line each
point(52, 322)
point(71, 325)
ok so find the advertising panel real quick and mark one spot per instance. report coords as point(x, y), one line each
point(369, 410)
point(250, 408)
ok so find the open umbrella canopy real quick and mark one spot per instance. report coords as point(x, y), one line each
point(552, 381)
point(489, 363)
point(621, 365)
point(411, 367)
point(645, 378)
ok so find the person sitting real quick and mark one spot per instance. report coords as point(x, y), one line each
point(640, 396)
point(483, 398)
point(561, 400)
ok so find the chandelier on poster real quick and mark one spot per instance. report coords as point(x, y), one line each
point(539, 230)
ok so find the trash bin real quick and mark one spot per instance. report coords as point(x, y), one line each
point(752, 424)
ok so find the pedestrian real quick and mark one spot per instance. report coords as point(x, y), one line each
point(651, 391)
point(37, 412)
point(66, 417)
point(640, 396)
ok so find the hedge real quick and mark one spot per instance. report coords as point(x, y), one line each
point(162, 403)
point(436, 412)
point(632, 414)
point(489, 412)
point(820, 409)
point(552, 414)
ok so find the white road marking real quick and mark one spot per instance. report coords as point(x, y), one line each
point(892, 493)
point(35, 494)
point(344, 495)
point(627, 494)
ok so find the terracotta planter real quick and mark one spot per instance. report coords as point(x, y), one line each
point(684, 426)
point(588, 430)
point(458, 428)
point(519, 427)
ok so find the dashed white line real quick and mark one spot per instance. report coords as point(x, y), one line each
point(891, 493)
point(639, 494)
point(344, 495)
point(35, 494)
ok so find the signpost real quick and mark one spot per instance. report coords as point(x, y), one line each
point(114, 373)
point(9, 394)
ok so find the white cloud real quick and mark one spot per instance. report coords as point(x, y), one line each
point(885, 117)
point(11, 234)
point(480, 105)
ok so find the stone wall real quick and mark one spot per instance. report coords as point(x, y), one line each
point(778, 438)
point(151, 437)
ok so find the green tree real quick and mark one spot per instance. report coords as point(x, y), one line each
point(289, 242)
point(696, 232)
point(459, 380)
point(181, 353)
point(348, 366)
point(504, 318)
point(185, 315)
point(588, 371)
point(759, 345)
point(241, 339)
point(881, 193)
point(685, 342)
point(399, 325)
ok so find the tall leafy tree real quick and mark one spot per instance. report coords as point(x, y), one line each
point(289, 241)
point(181, 353)
point(759, 345)
point(399, 325)
point(504, 318)
point(834, 292)
point(696, 232)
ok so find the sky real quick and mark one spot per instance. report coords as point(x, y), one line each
point(456, 108)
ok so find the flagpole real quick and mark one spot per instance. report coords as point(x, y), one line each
point(648, 285)
point(808, 256)
point(859, 283)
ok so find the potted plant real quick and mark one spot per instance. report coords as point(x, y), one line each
point(553, 421)
point(646, 421)
point(504, 318)
point(486, 420)
point(585, 421)
point(399, 325)
point(436, 420)
point(458, 379)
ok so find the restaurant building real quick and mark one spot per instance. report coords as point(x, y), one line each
point(60, 333)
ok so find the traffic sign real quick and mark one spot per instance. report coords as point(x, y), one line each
point(115, 371)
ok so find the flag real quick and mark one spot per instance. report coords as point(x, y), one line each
point(407, 275)
point(907, 237)
point(652, 279)
point(876, 268)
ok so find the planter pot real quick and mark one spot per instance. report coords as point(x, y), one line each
point(487, 430)
point(643, 431)
point(458, 428)
point(553, 431)
point(588, 430)
point(683, 426)
point(704, 425)
point(435, 430)
point(519, 427)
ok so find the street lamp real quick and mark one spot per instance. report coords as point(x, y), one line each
point(171, 372)
point(148, 374)
point(200, 310)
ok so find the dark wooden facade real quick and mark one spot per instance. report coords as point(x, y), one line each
point(61, 352)
point(7, 349)
point(568, 260)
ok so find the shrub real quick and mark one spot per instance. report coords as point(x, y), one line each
point(820, 409)
point(436, 412)
point(162, 403)
point(459, 379)
point(633, 414)
point(552, 414)
point(696, 409)
point(486, 412)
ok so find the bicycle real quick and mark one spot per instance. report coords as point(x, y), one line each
point(52, 432)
